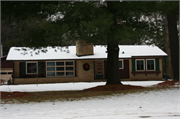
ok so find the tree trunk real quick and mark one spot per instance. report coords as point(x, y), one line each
point(174, 44)
point(113, 76)
point(168, 63)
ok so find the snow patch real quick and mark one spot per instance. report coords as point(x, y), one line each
point(67, 86)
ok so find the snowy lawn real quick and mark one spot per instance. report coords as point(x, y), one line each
point(161, 104)
point(67, 86)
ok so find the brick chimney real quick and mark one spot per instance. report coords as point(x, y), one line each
point(83, 49)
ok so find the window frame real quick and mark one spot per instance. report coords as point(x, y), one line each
point(64, 66)
point(143, 64)
point(36, 67)
point(122, 63)
point(147, 65)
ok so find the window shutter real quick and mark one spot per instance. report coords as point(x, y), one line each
point(23, 68)
point(133, 64)
point(157, 64)
point(40, 67)
point(75, 71)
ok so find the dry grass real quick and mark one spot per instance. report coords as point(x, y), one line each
point(51, 96)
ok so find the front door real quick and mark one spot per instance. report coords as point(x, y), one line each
point(99, 69)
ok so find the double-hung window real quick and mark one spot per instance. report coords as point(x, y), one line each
point(31, 67)
point(140, 65)
point(60, 68)
point(150, 64)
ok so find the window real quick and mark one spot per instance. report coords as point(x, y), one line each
point(6, 72)
point(60, 68)
point(150, 64)
point(31, 68)
point(3, 72)
point(140, 65)
point(121, 66)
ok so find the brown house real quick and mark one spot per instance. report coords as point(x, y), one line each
point(84, 63)
point(6, 69)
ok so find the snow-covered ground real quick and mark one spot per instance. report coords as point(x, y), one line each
point(66, 86)
point(163, 104)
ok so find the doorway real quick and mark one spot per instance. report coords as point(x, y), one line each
point(99, 69)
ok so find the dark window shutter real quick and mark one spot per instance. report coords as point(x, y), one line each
point(157, 64)
point(23, 68)
point(75, 68)
point(133, 64)
point(40, 67)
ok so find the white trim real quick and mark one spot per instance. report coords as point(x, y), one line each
point(61, 66)
point(36, 67)
point(136, 64)
point(122, 63)
point(154, 65)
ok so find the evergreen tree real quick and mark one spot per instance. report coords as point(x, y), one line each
point(171, 11)
point(105, 23)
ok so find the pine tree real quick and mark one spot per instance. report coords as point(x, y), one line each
point(171, 11)
point(105, 23)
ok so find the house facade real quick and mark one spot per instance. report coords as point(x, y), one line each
point(59, 65)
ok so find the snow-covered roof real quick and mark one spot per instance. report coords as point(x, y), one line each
point(58, 53)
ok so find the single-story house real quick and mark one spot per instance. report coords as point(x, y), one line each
point(6, 69)
point(84, 63)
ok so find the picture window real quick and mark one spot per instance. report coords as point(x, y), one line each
point(60, 68)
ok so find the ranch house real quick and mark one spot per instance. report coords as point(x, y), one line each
point(84, 63)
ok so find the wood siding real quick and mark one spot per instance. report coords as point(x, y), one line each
point(146, 75)
point(81, 75)
point(124, 73)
